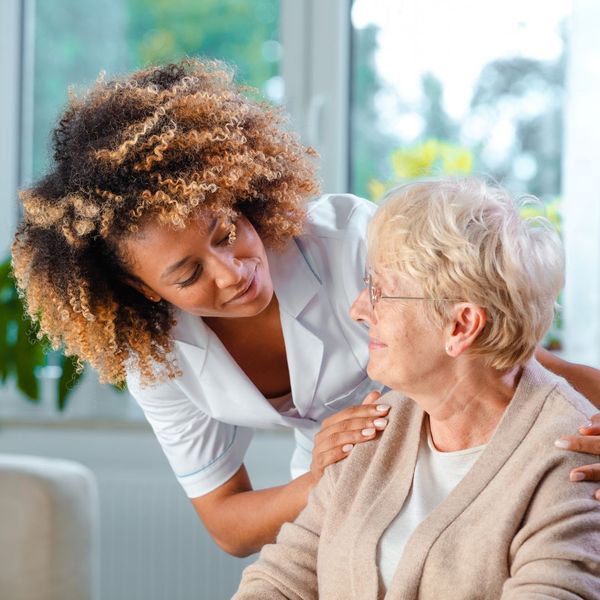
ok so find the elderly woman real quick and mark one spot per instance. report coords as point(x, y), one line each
point(462, 497)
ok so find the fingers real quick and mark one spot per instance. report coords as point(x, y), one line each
point(362, 410)
point(340, 433)
point(373, 396)
point(589, 444)
point(356, 418)
point(593, 427)
point(337, 446)
point(586, 473)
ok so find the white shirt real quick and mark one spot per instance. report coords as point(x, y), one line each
point(436, 475)
point(204, 419)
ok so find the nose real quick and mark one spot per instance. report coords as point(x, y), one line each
point(227, 270)
point(361, 309)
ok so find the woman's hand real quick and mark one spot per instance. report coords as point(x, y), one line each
point(588, 442)
point(342, 431)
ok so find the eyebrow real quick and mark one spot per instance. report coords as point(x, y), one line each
point(177, 265)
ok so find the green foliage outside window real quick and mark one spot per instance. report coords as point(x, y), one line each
point(22, 354)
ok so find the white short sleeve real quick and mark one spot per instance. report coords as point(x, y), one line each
point(204, 453)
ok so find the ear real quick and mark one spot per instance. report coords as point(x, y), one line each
point(466, 323)
point(142, 288)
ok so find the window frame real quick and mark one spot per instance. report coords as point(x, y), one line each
point(581, 189)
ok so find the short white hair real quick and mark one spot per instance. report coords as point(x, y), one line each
point(465, 238)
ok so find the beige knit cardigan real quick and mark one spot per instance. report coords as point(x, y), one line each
point(514, 527)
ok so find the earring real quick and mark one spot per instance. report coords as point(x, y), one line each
point(448, 348)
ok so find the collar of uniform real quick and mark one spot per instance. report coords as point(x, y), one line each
point(295, 281)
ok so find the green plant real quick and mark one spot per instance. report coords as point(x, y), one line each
point(424, 159)
point(22, 353)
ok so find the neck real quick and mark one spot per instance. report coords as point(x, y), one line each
point(261, 321)
point(465, 412)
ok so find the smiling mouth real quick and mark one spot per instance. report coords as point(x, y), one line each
point(373, 343)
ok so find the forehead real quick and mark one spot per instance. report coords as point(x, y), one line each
point(158, 244)
point(156, 231)
point(393, 279)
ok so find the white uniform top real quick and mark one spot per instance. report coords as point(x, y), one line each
point(204, 419)
point(436, 475)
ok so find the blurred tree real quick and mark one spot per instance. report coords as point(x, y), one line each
point(240, 32)
point(76, 39)
point(372, 144)
point(532, 92)
point(438, 124)
point(424, 159)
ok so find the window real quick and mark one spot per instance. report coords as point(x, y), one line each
point(505, 90)
point(75, 39)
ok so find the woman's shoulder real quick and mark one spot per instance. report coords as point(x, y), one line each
point(564, 408)
point(339, 215)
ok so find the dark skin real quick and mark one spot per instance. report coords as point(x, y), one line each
point(267, 369)
point(227, 283)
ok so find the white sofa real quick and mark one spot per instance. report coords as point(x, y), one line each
point(48, 529)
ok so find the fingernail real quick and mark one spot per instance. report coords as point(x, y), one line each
point(577, 476)
point(380, 423)
point(382, 408)
point(368, 432)
point(597, 495)
point(565, 444)
point(587, 425)
point(347, 447)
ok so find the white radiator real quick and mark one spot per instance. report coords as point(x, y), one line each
point(153, 546)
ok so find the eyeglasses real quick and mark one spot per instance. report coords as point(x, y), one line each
point(375, 294)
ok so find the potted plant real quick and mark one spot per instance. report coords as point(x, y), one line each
point(24, 357)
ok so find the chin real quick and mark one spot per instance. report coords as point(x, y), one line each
point(378, 373)
point(257, 306)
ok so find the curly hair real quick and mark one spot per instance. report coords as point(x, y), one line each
point(161, 143)
point(465, 238)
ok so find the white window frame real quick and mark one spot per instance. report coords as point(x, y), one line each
point(581, 188)
point(11, 19)
point(315, 36)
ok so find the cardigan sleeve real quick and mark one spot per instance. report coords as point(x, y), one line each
point(557, 553)
point(288, 568)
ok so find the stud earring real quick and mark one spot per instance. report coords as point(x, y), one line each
point(448, 348)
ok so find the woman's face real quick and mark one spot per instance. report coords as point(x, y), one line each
point(405, 347)
point(200, 269)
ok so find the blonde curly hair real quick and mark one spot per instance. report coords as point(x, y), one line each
point(162, 144)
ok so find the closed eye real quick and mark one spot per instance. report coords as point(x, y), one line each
point(190, 279)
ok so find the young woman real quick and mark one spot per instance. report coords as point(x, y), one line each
point(173, 245)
